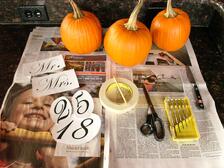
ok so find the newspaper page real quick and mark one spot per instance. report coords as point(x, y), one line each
point(44, 42)
point(128, 147)
point(25, 137)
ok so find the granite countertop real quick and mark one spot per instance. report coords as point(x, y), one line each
point(210, 59)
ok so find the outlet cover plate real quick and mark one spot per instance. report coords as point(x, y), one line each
point(35, 13)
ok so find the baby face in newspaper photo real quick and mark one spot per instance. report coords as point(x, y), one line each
point(31, 113)
point(22, 115)
point(22, 110)
point(25, 137)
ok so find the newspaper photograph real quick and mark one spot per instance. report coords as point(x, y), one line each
point(53, 44)
point(56, 44)
point(157, 79)
point(160, 57)
point(26, 139)
point(89, 68)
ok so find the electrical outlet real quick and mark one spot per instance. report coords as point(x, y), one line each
point(33, 13)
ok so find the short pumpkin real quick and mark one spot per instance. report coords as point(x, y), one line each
point(170, 28)
point(81, 31)
point(128, 41)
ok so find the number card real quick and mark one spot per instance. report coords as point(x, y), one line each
point(62, 110)
point(74, 124)
point(44, 66)
point(83, 103)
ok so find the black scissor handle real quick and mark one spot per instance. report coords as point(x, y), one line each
point(158, 128)
point(147, 128)
point(153, 125)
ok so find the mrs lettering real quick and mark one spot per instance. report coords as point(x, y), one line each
point(54, 83)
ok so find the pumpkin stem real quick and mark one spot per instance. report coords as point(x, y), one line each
point(170, 13)
point(77, 12)
point(131, 24)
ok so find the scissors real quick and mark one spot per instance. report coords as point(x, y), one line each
point(153, 124)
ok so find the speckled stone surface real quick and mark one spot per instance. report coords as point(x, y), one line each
point(210, 60)
point(12, 43)
point(108, 11)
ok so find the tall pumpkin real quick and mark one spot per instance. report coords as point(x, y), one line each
point(170, 28)
point(81, 31)
point(128, 41)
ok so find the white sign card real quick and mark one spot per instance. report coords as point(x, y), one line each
point(70, 129)
point(89, 149)
point(54, 83)
point(43, 66)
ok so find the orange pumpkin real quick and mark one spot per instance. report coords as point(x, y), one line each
point(170, 28)
point(128, 41)
point(81, 31)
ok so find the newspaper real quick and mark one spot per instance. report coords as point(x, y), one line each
point(120, 143)
point(127, 147)
point(25, 137)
